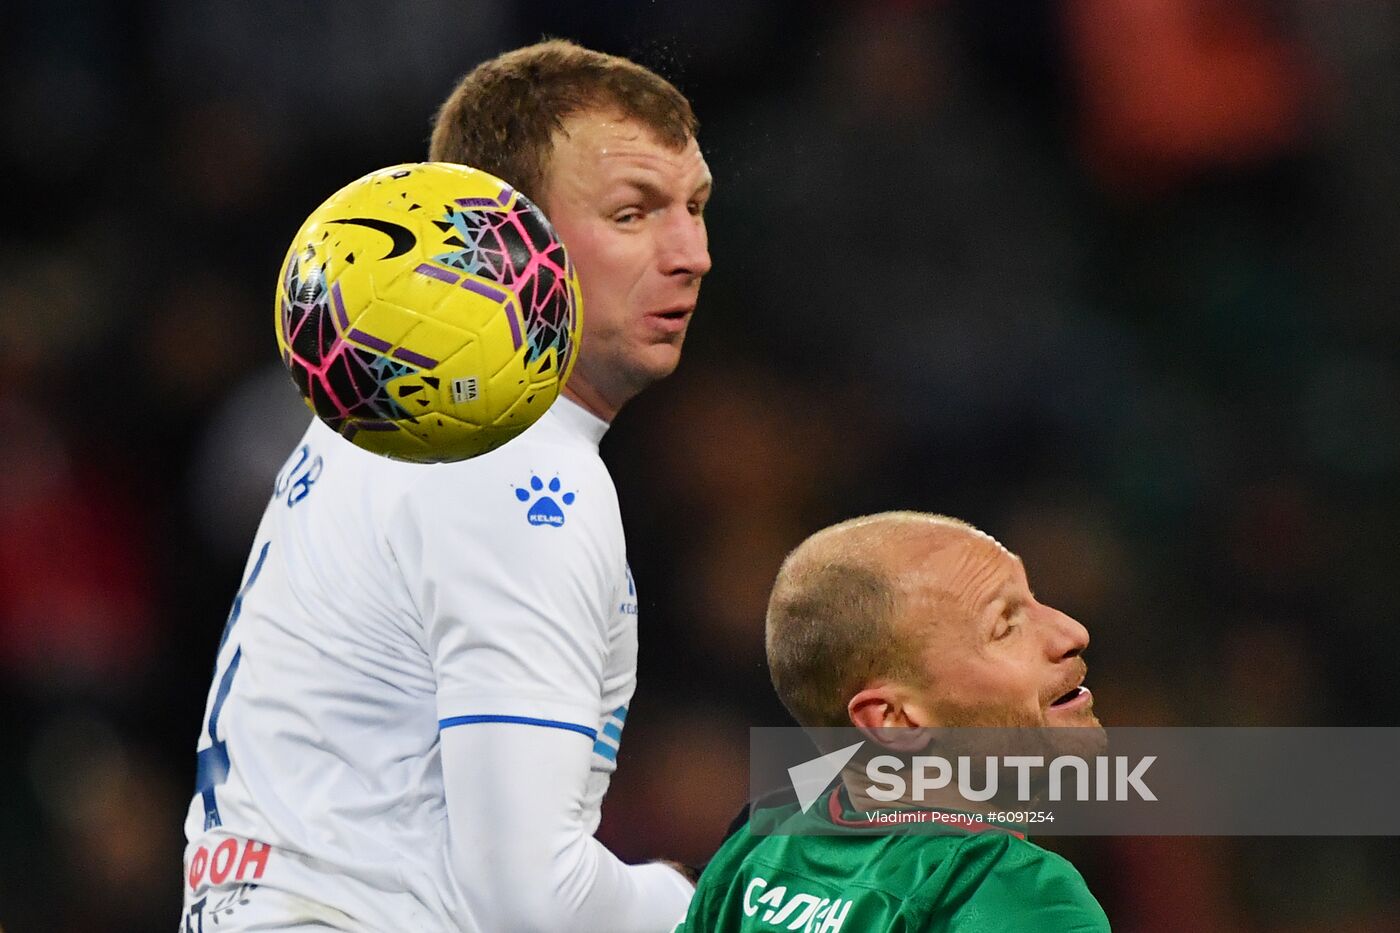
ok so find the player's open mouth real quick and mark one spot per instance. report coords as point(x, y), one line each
point(671, 320)
point(1076, 697)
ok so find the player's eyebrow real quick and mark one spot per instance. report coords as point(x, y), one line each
point(653, 192)
point(1000, 592)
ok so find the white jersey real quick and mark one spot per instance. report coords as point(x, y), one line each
point(410, 646)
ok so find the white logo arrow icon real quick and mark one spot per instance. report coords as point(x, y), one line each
point(810, 778)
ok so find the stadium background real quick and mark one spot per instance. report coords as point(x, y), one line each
point(1115, 279)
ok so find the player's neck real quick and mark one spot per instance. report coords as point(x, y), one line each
point(586, 396)
point(928, 799)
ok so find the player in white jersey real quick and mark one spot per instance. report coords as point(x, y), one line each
point(423, 682)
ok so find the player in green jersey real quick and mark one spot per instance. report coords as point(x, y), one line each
point(905, 620)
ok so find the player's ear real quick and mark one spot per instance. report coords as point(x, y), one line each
point(882, 717)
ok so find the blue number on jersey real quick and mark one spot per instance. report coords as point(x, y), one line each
point(193, 913)
point(297, 481)
point(212, 764)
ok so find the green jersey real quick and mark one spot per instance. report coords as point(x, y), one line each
point(859, 877)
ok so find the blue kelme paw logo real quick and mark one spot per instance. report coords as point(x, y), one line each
point(544, 510)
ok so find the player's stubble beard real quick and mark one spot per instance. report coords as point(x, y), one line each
point(1005, 730)
point(612, 370)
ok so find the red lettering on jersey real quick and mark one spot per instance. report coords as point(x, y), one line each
point(219, 874)
point(197, 865)
point(252, 857)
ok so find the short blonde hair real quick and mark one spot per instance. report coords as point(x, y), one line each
point(503, 115)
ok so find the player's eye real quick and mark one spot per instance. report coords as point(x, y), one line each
point(696, 208)
point(628, 215)
point(1008, 621)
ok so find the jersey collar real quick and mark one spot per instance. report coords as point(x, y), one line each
point(839, 811)
point(579, 420)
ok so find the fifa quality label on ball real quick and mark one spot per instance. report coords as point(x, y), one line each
point(465, 390)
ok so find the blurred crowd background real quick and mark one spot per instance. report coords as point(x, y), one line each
point(1117, 280)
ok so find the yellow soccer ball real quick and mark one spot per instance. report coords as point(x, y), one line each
point(428, 312)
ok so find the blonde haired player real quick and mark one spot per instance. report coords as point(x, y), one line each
point(421, 689)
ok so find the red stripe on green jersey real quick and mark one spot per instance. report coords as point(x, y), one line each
point(859, 876)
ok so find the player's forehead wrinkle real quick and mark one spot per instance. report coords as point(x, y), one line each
point(627, 148)
point(663, 172)
point(593, 149)
point(977, 576)
point(983, 573)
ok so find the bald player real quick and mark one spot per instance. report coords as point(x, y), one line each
point(907, 620)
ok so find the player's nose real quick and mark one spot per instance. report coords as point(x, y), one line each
point(685, 247)
point(1067, 636)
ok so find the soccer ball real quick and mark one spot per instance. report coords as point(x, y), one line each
point(428, 312)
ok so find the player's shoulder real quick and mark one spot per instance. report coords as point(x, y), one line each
point(556, 444)
point(757, 843)
point(552, 471)
point(723, 877)
point(760, 821)
point(1012, 854)
point(1018, 850)
point(1013, 881)
point(550, 477)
